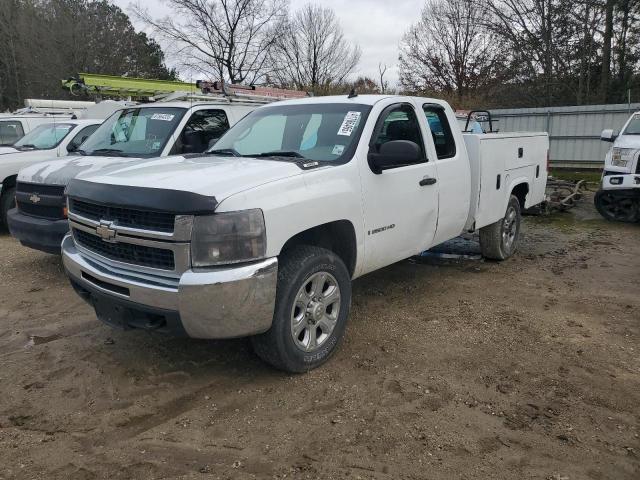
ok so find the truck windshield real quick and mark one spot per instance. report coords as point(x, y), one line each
point(44, 137)
point(634, 126)
point(327, 132)
point(134, 132)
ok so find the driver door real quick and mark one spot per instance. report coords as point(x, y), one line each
point(401, 203)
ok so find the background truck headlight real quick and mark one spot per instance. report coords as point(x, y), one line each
point(622, 157)
point(224, 238)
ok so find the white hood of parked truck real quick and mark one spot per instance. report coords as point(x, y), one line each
point(5, 150)
point(60, 171)
point(210, 175)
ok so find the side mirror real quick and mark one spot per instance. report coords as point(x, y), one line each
point(608, 135)
point(396, 153)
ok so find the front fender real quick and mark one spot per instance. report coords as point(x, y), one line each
point(295, 204)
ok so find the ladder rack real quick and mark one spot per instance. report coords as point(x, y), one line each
point(170, 90)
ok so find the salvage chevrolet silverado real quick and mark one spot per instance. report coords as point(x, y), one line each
point(262, 235)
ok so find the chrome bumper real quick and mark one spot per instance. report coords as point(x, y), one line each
point(217, 303)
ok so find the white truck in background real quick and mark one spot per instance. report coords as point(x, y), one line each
point(13, 126)
point(262, 235)
point(180, 124)
point(619, 196)
point(54, 136)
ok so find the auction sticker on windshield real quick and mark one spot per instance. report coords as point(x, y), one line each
point(349, 123)
point(165, 117)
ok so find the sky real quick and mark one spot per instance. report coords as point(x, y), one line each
point(376, 25)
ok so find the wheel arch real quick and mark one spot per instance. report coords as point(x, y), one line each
point(338, 236)
point(8, 182)
point(520, 188)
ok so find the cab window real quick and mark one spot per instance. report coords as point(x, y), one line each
point(440, 131)
point(398, 122)
point(80, 137)
point(10, 132)
point(202, 131)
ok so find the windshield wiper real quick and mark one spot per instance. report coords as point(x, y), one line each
point(27, 146)
point(109, 151)
point(279, 153)
point(224, 151)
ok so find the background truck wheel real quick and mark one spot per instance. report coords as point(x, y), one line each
point(499, 240)
point(312, 304)
point(616, 208)
point(7, 202)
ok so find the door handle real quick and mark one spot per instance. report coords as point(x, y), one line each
point(428, 181)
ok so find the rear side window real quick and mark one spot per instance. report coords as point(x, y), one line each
point(10, 132)
point(440, 131)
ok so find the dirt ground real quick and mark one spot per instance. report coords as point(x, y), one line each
point(472, 370)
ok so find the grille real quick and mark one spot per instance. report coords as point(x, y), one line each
point(126, 252)
point(125, 217)
point(51, 208)
point(42, 211)
point(40, 188)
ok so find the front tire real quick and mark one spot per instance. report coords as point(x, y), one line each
point(7, 202)
point(313, 298)
point(499, 240)
point(615, 208)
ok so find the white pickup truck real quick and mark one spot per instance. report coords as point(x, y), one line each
point(619, 196)
point(262, 236)
point(46, 141)
point(129, 136)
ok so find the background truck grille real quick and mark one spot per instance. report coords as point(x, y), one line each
point(50, 204)
point(126, 252)
point(125, 217)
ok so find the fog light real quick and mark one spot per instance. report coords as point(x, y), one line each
point(615, 181)
point(637, 180)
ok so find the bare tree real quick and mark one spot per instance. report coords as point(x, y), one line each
point(449, 50)
point(384, 84)
point(228, 39)
point(312, 52)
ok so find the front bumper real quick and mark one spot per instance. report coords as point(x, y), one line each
point(227, 302)
point(622, 181)
point(38, 233)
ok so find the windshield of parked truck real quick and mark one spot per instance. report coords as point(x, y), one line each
point(44, 137)
point(633, 128)
point(134, 132)
point(327, 132)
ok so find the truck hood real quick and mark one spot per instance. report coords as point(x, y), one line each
point(5, 150)
point(12, 163)
point(209, 176)
point(627, 141)
point(60, 171)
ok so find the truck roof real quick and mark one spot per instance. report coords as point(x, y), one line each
point(357, 100)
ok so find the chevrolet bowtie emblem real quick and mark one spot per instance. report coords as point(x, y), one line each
point(35, 198)
point(106, 230)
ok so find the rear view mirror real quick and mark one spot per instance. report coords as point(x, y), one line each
point(608, 135)
point(396, 153)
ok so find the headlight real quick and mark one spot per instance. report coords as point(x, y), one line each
point(621, 157)
point(232, 237)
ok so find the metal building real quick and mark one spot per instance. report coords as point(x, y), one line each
point(574, 132)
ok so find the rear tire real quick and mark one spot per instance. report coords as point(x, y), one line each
point(499, 240)
point(615, 208)
point(313, 298)
point(7, 202)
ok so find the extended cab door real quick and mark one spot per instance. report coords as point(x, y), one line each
point(400, 203)
point(452, 164)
